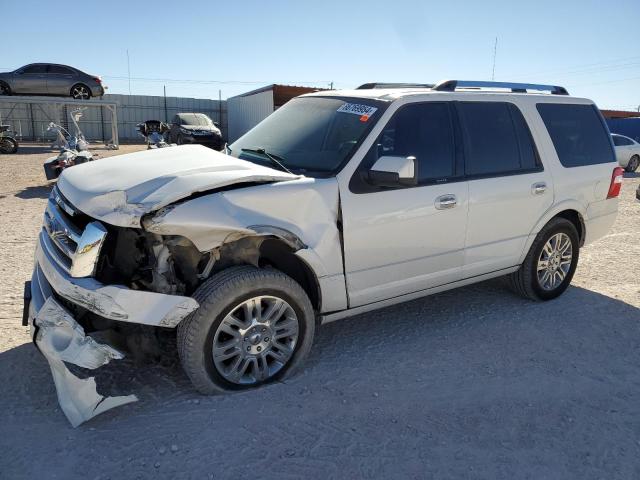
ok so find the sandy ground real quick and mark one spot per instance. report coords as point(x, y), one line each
point(471, 383)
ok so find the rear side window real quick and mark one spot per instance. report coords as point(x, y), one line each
point(578, 133)
point(497, 139)
point(619, 141)
point(60, 69)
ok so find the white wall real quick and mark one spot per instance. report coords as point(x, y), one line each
point(245, 112)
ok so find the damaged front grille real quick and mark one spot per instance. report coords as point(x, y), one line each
point(71, 239)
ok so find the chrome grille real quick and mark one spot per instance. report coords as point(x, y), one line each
point(74, 249)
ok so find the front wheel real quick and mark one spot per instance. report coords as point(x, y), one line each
point(253, 326)
point(8, 145)
point(551, 262)
point(633, 164)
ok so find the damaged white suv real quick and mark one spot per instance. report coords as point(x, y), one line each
point(338, 203)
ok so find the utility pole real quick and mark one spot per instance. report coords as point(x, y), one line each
point(166, 114)
point(331, 86)
point(129, 71)
point(495, 50)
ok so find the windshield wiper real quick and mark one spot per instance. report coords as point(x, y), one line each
point(273, 158)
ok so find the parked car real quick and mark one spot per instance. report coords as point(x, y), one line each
point(51, 79)
point(627, 152)
point(339, 203)
point(195, 128)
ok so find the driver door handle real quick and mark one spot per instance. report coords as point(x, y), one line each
point(444, 202)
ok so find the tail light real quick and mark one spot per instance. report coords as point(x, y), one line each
point(98, 79)
point(616, 182)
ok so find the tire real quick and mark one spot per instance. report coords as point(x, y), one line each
point(8, 145)
point(632, 166)
point(5, 89)
point(179, 140)
point(527, 282)
point(203, 330)
point(80, 92)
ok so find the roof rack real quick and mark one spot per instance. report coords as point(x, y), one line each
point(452, 85)
point(370, 86)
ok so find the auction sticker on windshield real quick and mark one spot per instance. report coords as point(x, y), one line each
point(365, 111)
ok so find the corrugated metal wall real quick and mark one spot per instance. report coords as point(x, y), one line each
point(31, 121)
point(629, 127)
point(245, 112)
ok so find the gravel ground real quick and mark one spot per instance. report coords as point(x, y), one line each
point(471, 383)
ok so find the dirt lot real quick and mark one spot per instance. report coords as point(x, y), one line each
point(471, 383)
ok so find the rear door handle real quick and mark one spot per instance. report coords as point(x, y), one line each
point(444, 202)
point(538, 188)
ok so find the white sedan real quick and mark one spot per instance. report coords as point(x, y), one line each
point(627, 152)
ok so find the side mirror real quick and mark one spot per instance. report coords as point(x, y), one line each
point(391, 171)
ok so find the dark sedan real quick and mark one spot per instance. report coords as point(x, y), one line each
point(195, 128)
point(51, 79)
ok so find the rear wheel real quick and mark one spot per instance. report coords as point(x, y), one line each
point(550, 264)
point(80, 92)
point(4, 89)
point(633, 164)
point(8, 145)
point(253, 326)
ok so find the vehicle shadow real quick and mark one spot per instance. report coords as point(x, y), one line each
point(40, 191)
point(635, 174)
point(476, 366)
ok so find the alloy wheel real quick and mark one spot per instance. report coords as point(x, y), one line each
point(255, 340)
point(554, 261)
point(80, 92)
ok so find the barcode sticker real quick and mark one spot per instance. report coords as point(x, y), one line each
point(358, 109)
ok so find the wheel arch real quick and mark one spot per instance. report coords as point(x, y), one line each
point(570, 210)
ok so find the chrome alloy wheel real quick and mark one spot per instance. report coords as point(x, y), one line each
point(554, 262)
point(80, 92)
point(255, 340)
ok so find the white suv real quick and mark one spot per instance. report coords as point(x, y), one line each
point(338, 203)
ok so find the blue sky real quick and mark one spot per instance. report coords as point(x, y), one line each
point(196, 48)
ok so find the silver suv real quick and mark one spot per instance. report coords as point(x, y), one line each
point(51, 79)
point(339, 203)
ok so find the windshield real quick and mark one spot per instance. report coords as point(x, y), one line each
point(311, 134)
point(196, 119)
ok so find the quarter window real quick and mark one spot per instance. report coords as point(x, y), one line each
point(60, 70)
point(578, 132)
point(496, 139)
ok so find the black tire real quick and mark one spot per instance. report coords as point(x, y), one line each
point(179, 140)
point(632, 166)
point(80, 85)
point(525, 280)
point(5, 89)
point(217, 297)
point(8, 145)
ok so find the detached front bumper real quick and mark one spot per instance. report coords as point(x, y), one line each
point(114, 302)
point(62, 339)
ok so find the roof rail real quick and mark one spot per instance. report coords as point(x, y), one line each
point(452, 85)
point(370, 86)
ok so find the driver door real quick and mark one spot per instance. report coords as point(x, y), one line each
point(32, 79)
point(405, 239)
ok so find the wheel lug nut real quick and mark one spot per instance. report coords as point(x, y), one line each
point(264, 330)
point(259, 349)
point(248, 349)
point(266, 339)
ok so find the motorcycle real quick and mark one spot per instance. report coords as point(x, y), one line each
point(74, 149)
point(154, 132)
point(8, 143)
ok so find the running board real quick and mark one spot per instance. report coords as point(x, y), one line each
point(332, 317)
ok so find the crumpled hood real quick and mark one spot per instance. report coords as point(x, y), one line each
point(119, 190)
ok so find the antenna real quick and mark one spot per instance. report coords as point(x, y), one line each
point(495, 50)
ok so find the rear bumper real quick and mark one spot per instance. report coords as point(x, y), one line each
point(113, 302)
